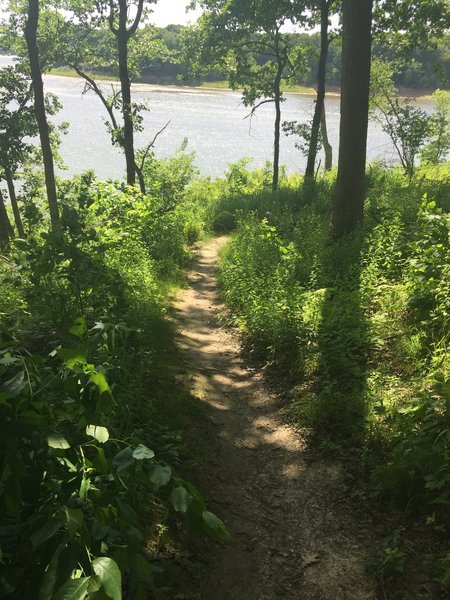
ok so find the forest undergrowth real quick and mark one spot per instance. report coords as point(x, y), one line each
point(360, 327)
point(89, 447)
point(90, 450)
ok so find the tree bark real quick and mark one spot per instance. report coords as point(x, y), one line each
point(276, 141)
point(327, 147)
point(5, 225)
point(348, 202)
point(320, 99)
point(39, 108)
point(282, 59)
point(128, 132)
point(122, 36)
point(14, 204)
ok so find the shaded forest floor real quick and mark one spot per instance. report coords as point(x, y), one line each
point(296, 531)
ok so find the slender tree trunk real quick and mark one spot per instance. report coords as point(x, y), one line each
point(5, 225)
point(39, 107)
point(122, 36)
point(14, 205)
point(276, 140)
point(320, 100)
point(348, 204)
point(282, 59)
point(141, 179)
point(327, 147)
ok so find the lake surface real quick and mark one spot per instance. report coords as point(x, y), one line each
point(213, 121)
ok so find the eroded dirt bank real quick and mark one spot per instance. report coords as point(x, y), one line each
point(295, 532)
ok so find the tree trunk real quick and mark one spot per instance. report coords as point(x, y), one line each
point(5, 225)
point(276, 140)
point(327, 147)
point(348, 202)
point(14, 205)
point(39, 108)
point(122, 36)
point(320, 100)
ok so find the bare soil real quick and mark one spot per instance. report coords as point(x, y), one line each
point(296, 533)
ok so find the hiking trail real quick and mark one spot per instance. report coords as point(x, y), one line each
point(296, 535)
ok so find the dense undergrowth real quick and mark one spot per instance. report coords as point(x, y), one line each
point(88, 459)
point(89, 482)
point(361, 327)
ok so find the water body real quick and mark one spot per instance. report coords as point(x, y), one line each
point(213, 121)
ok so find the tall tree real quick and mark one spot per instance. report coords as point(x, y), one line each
point(5, 224)
point(319, 109)
point(118, 24)
point(85, 46)
point(246, 39)
point(31, 29)
point(348, 203)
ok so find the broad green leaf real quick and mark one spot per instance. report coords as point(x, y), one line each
point(123, 459)
point(46, 532)
point(56, 440)
point(74, 589)
point(60, 568)
point(181, 499)
point(101, 434)
point(214, 527)
point(47, 588)
point(79, 327)
point(142, 452)
point(99, 380)
point(110, 577)
point(159, 475)
point(74, 519)
point(73, 357)
point(99, 461)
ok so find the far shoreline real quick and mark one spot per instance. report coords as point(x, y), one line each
point(333, 92)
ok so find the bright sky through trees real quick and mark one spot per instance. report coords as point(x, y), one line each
point(166, 12)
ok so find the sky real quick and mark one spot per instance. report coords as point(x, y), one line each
point(168, 12)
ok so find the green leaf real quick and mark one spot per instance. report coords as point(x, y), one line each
point(214, 527)
point(50, 578)
point(159, 475)
point(84, 488)
point(60, 568)
point(73, 357)
point(99, 461)
point(74, 519)
point(101, 434)
point(99, 380)
point(79, 327)
point(46, 532)
point(123, 459)
point(181, 499)
point(110, 577)
point(56, 440)
point(142, 452)
point(74, 589)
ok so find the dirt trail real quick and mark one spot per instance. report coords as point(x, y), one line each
point(295, 534)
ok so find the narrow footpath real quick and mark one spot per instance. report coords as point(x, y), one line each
point(295, 533)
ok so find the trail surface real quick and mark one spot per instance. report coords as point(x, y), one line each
point(295, 532)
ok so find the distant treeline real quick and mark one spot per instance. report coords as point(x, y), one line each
point(423, 70)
